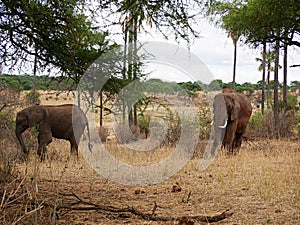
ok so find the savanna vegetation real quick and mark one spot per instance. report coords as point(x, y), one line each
point(63, 38)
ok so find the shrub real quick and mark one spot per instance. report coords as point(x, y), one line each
point(292, 103)
point(103, 133)
point(263, 125)
point(33, 97)
point(205, 119)
point(173, 130)
point(144, 123)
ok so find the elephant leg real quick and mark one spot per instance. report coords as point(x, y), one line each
point(230, 136)
point(224, 140)
point(43, 141)
point(238, 140)
point(75, 139)
point(41, 152)
point(44, 138)
point(74, 147)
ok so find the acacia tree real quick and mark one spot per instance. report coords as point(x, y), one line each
point(54, 33)
point(30, 28)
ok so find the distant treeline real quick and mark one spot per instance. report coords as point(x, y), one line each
point(249, 87)
point(25, 82)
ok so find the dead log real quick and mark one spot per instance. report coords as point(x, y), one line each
point(82, 205)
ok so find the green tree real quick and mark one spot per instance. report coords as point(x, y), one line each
point(35, 28)
point(295, 85)
point(215, 85)
point(53, 32)
point(134, 15)
point(261, 22)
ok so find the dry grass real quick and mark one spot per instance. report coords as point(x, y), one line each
point(260, 184)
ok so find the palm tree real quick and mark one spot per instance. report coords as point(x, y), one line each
point(132, 17)
point(134, 14)
point(235, 37)
point(270, 59)
point(262, 67)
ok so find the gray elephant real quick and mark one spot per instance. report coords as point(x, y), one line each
point(232, 112)
point(63, 122)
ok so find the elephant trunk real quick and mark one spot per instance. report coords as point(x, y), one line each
point(215, 141)
point(20, 139)
point(219, 130)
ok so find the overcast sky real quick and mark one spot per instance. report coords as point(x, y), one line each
point(215, 50)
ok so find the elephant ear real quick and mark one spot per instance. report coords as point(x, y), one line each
point(236, 107)
point(36, 114)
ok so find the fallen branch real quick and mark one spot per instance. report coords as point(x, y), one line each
point(88, 206)
point(2, 107)
point(26, 214)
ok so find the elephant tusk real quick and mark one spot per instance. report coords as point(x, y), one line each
point(224, 125)
point(212, 123)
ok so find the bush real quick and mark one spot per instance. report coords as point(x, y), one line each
point(173, 130)
point(263, 125)
point(205, 119)
point(292, 103)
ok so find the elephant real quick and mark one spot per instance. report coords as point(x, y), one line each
point(62, 121)
point(232, 112)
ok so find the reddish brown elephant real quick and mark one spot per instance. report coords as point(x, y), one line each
point(232, 112)
point(63, 122)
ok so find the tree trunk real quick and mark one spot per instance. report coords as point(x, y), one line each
point(34, 75)
point(263, 78)
point(276, 106)
point(268, 86)
point(285, 52)
point(135, 67)
point(124, 71)
point(0, 74)
point(234, 63)
point(101, 109)
point(130, 63)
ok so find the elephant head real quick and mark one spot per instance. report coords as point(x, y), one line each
point(27, 118)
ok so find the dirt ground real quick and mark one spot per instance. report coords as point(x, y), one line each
point(259, 185)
